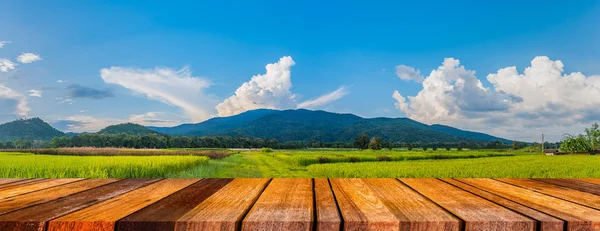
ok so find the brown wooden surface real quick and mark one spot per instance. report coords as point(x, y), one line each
point(478, 213)
point(564, 193)
point(34, 186)
point(225, 209)
point(35, 217)
point(49, 194)
point(286, 204)
point(590, 180)
point(327, 213)
point(103, 216)
point(361, 208)
point(544, 222)
point(299, 204)
point(414, 211)
point(163, 214)
point(578, 217)
point(574, 184)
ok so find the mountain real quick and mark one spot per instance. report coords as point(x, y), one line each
point(127, 128)
point(306, 125)
point(28, 129)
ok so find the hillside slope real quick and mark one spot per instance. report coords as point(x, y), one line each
point(28, 129)
point(127, 128)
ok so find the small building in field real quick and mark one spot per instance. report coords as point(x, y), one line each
point(551, 152)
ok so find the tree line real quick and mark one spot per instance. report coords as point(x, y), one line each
point(158, 141)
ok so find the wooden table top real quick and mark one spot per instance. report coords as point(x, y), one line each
point(299, 204)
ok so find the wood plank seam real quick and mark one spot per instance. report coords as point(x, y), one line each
point(540, 192)
point(239, 223)
point(336, 205)
point(462, 222)
point(568, 183)
point(46, 188)
point(538, 223)
point(314, 205)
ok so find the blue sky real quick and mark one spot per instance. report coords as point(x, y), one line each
point(347, 53)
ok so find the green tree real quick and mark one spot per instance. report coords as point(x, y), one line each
point(593, 136)
point(515, 145)
point(361, 141)
point(574, 144)
point(375, 143)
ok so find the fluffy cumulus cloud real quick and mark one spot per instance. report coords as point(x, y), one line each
point(28, 58)
point(409, 73)
point(270, 90)
point(177, 88)
point(35, 93)
point(12, 103)
point(6, 65)
point(324, 99)
point(542, 99)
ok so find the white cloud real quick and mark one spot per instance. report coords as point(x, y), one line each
point(2, 43)
point(61, 81)
point(28, 58)
point(81, 123)
point(324, 99)
point(6, 65)
point(178, 88)
point(161, 119)
point(521, 105)
point(35, 93)
point(409, 74)
point(270, 90)
point(12, 103)
point(65, 101)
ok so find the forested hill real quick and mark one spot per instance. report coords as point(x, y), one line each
point(28, 129)
point(127, 128)
point(307, 125)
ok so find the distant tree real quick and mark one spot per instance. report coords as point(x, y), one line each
point(448, 148)
point(409, 147)
point(375, 143)
point(361, 141)
point(424, 148)
point(434, 148)
point(593, 136)
point(574, 144)
point(515, 145)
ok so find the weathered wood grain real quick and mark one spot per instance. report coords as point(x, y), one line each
point(544, 221)
point(34, 186)
point(15, 184)
point(361, 208)
point(163, 214)
point(49, 194)
point(590, 180)
point(286, 204)
point(577, 217)
point(328, 215)
point(35, 217)
point(568, 194)
point(476, 212)
point(574, 184)
point(9, 180)
point(225, 209)
point(103, 216)
point(414, 211)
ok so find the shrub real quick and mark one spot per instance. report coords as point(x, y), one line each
point(266, 150)
point(459, 148)
point(448, 149)
point(354, 159)
point(424, 148)
point(434, 148)
point(384, 158)
point(323, 160)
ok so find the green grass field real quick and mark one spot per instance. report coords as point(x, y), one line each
point(307, 163)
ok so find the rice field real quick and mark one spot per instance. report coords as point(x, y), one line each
point(23, 165)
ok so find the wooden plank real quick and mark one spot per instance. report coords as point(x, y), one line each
point(45, 195)
point(21, 182)
point(590, 180)
point(35, 217)
point(574, 184)
point(9, 180)
point(163, 214)
point(225, 209)
point(414, 211)
point(328, 215)
point(544, 221)
point(286, 204)
point(577, 217)
point(476, 212)
point(568, 194)
point(361, 208)
point(103, 216)
point(34, 186)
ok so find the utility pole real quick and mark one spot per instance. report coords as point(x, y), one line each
point(543, 143)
